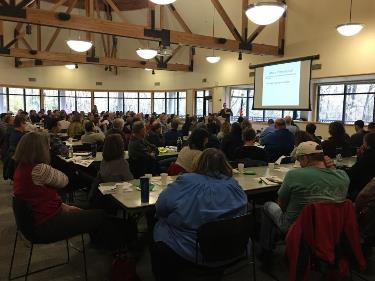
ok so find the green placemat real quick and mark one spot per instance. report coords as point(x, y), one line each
point(137, 184)
point(249, 172)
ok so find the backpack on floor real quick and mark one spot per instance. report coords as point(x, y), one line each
point(123, 268)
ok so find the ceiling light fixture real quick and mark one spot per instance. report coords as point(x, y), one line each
point(265, 13)
point(351, 28)
point(79, 45)
point(163, 2)
point(213, 58)
point(148, 69)
point(147, 54)
point(70, 66)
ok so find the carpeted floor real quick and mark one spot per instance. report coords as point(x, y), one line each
point(99, 262)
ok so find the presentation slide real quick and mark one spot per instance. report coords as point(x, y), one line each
point(281, 78)
point(283, 85)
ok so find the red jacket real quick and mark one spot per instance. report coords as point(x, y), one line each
point(322, 226)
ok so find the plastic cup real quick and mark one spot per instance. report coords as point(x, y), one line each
point(149, 176)
point(241, 167)
point(164, 178)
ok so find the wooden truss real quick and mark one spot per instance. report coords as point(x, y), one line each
point(28, 13)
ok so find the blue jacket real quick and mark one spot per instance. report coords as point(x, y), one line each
point(191, 201)
point(281, 142)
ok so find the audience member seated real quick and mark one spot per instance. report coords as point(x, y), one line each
point(290, 126)
point(338, 142)
point(310, 129)
point(189, 154)
point(371, 127)
point(57, 146)
point(213, 141)
point(114, 167)
point(212, 126)
point(37, 184)
point(270, 129)
point(365, 207)
point(173, 134)
point(18, 131)
point(363, 170)
point(187, 127)
point(232, 141)
point(301, 136)
point(142, 154)
point(90, 136)
point(75, 128)
point(279, 142)
point(207, 194)
point(64, 123)
point(154, 135)
point(314, 182)
point(356, 140)
point(118, 128)
point(249, 150)
point(224, 131)
point(246, 124)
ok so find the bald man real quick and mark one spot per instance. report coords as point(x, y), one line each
point(278, 143)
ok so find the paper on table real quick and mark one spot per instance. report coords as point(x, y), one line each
point(282, 169)
point(278, 161)
point(107, 188)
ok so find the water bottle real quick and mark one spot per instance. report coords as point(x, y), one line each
point(94, 149)
point(70, 151)
point(179, 144)
point(145, 189)
point(339, 160)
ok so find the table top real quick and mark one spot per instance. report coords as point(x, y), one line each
point(131, 200)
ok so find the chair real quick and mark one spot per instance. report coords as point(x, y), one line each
point(24, 221)
point(225, 241)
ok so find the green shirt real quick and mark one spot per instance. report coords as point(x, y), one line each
point(308, 185)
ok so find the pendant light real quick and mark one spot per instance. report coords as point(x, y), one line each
point(265, 13)
point(147, 53)
point(163, 2)
point(213, 58)
point(71, 66)
point(79, 45)
point(351, 28)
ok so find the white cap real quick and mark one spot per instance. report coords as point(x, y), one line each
point(308, 147)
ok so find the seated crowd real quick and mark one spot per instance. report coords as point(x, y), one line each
point(205, 189)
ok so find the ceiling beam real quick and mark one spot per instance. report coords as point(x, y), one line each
point(57, 31)
point(219, 8)
point(178, 17)
point(245, 20)
point(82, 59)
point(281, 39)
point(255, 34)
point(31, 63)
point(47, 18)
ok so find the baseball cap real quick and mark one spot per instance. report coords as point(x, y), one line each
point(308, 147)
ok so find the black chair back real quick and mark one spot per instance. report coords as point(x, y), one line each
point(24, 218)
point(225, 239)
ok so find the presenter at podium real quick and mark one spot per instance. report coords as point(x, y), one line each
point(226, 112)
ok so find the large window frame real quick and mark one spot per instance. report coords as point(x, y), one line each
point(201, 102)
point(248, 99)
point(54, 99)
point(170, 102)
point(340, 93)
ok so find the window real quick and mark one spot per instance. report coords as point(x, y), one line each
point(32, 99)
point(101, 101)
point(159, 102)
point(346, 102)
point(130, 102)
point(16, 101)
point(182, 104)
point(67, 101)
point(51, 99)
point(246, 96)
point(3, 100)
point(116, 101)
point(201, 104)
point(83, 101)
point(145, 103)
point(172, 103)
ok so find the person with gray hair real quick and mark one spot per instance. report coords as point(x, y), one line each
point(288, 122)
point(154, 135)
point(117, 128)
